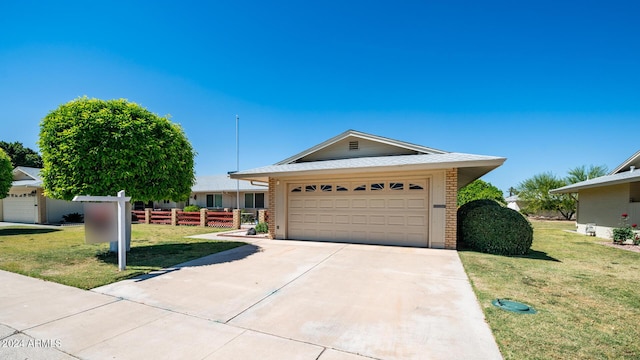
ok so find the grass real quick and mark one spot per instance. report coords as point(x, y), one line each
point(61, 255)
point(587, 296)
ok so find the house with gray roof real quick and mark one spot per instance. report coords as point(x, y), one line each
point(603, 200)
point(218, 192)
point(363, 188)
point(26, 202)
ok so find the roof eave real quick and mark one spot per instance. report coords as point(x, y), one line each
point(574, 188)
point(481, 167)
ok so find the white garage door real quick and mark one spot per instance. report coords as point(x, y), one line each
point(389, 212)
point(20, 208)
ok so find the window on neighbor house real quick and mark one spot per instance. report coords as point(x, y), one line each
point(254, 200)
point(259, 201)
point(214, 200)
point(248, 200)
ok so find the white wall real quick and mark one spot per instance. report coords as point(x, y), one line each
point(57, 208)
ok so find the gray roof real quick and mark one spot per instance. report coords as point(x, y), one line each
point(362, 135)
point(477, 165)
point(28, 177)
point(634, 160)
point(220, 183)
point(607, 180)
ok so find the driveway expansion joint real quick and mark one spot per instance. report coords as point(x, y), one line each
point(286, 284)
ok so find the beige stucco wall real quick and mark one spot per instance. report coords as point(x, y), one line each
point(437, 196)
point(604, 207)
point(55, 209)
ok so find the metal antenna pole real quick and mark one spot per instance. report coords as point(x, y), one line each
point(238, 160)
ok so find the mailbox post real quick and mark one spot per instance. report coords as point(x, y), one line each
point(122, 201)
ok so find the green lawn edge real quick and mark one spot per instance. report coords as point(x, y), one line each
point(61, 254)
point(586, 294)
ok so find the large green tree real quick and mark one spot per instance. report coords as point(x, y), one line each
point(98, 147)
point(477, 190)
point(535, 194)
point(20, 155)
point(6, 174)
point(582, 173)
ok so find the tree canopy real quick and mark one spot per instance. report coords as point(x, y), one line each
point(98, 147)
point(581, 173)
point(20, 155)
point(6, 174)
point(477, 190)
point(535, 191)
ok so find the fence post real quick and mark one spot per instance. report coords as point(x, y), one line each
point(203, 217)
point(174, 217)
point(237, 219)
point(147, 215)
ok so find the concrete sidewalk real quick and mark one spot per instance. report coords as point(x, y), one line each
point(267, 300)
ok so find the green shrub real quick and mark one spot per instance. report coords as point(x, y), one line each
point(73, 218)
point(262, 228)
point(497, 230)
point(464, 210)
point(191, 208)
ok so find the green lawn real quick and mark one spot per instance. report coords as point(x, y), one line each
point(61, 255)
point(587, 296)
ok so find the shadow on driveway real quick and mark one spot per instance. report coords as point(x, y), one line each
point(165, 256)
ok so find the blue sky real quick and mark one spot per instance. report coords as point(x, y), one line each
point(550, 85)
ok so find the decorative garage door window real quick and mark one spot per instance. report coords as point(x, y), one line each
point(359, 187)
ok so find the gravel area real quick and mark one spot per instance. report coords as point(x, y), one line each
point(635, 248)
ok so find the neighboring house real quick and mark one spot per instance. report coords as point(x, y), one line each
point(220, 192)
point(26, 202)
point(363, 188)
point(513, 202)
point(602, 201)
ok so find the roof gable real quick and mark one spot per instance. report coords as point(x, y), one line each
point(634, 160)
point(354, 144)
point(26, 173)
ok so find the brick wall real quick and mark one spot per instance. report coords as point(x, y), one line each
point(451, 216)
point(272, 208)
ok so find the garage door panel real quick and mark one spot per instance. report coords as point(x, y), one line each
point(342, 219)
point(359, 203)
point(377, 220)
point(396, 220)
point(387, 216)
point(310, 204)
point(296, 204)
point(416, 220)
point(359, 219)
point(416, 203)
point(21, 209)
point(326, 219)
point(310, 218)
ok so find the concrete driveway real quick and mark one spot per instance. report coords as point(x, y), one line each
point(278, 300)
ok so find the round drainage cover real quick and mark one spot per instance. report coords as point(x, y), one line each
point(513, 306)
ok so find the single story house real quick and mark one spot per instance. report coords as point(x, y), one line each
point(26, 202)
point(603, 200)
point(220, 192)
point(363, 188)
